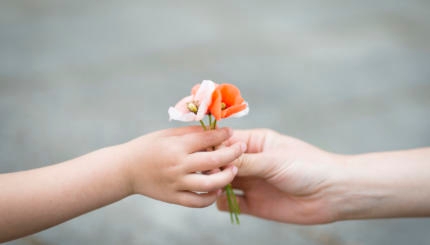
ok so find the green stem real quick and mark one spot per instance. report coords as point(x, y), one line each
point(235, 206)
point(203, 125)
point(213, 126)
point(210, 121)
point(232, 204)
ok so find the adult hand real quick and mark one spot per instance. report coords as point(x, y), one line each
point(288, 180)
point(284, 179)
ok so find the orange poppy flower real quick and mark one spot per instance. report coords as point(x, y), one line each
point(227, 101)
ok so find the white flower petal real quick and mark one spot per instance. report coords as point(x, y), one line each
point(204, 97)
point(242, 113)
point(175, 114)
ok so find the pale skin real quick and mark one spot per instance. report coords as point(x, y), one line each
point(287, 180)
point(164, 165)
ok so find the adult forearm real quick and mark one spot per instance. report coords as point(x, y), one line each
point(37, 199)
point(385, 185)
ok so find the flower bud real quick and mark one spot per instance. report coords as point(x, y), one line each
point(192, 107)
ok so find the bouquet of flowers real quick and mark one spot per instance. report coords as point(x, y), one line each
point(217, 101)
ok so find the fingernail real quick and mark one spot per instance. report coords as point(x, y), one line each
point(243, 147)
point(234, 170)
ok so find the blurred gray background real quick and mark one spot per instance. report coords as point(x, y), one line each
point(347, 76)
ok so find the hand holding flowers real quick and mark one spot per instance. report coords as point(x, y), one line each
point(218, 101)
point(164, 165)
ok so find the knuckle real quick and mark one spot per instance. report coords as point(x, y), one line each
point(238, 150)
point(240, 162)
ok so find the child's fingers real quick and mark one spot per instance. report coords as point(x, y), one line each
point(194, 200)
point(212, 171)
point(202, 140)
point(202, 161)
point(181, 131)
point(209, 183)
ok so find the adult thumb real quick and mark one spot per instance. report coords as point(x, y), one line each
point(251, 164)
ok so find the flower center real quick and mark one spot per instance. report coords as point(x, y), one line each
point(223, 106)
point(193, 107)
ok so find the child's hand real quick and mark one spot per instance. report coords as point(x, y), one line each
point(161, 165)
point(167, 165)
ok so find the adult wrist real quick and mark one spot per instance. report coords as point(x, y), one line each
point(364, 190)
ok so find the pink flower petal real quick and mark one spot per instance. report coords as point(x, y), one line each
point(182, 105)
point(204, 97)
point(175, 114)
point(201, 95)
point(180, 112)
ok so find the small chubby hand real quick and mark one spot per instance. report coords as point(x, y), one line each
point(168, 165)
